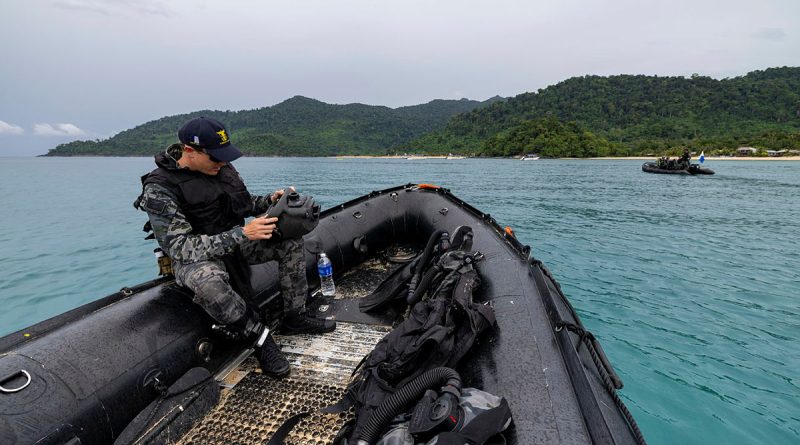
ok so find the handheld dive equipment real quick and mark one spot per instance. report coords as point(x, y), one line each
point(297, 214)
point(406, 395)
point(436, 413)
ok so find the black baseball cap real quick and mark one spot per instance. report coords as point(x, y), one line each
point(209, 135)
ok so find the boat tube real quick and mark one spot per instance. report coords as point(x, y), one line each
point(81, 377)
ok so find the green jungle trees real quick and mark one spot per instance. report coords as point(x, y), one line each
point(636, 115)
point(579, 117)
point(296, 127)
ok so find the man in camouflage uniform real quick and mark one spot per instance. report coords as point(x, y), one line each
point(196, 203)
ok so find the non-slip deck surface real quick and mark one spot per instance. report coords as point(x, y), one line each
point(257, 405)
point(253, 406)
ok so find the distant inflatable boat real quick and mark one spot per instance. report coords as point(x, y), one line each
point(693, 169)
point(83, 376)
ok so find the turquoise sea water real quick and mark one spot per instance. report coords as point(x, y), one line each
point(690, 283)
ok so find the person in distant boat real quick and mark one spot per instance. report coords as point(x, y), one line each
point(685, 158)
point(197, 204)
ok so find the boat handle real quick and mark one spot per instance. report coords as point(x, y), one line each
point(24, 385)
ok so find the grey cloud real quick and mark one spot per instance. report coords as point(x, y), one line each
point(113, 64)
point(6, 128)
point(57, 130)
point(774, 34)
point(116, 7)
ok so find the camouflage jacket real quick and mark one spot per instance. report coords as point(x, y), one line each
point(174, 233)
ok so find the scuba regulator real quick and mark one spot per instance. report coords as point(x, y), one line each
point(436, 413)
point(297, 214)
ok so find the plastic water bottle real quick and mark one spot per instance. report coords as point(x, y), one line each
point(325, 269)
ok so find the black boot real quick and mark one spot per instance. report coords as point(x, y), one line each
point(273, 362)
point(299, 323)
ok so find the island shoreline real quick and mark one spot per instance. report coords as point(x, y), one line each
point(606, 158)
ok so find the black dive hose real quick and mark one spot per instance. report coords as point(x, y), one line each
point(423, 285)
point(411, 392)
point(426, 256)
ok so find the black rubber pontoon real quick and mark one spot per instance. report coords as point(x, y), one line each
point(693, 169)
point(94, 368)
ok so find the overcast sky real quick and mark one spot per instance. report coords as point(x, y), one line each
point(86, 69)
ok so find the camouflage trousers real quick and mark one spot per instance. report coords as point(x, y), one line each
point(210, 281)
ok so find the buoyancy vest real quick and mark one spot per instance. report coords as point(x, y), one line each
point(211, 204)
point(439, 331)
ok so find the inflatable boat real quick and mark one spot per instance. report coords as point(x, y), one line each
point(83, 376)
point(693, 169)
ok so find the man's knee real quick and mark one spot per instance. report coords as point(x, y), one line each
point(291, 252)
point(217, 297)
point(214, 293)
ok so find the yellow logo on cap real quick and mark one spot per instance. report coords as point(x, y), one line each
point(222, 136)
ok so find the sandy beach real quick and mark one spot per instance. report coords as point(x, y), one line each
point(708, 158)
point(609, 158)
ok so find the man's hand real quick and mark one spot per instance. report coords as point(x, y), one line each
point(260, 228)
point(273, 198)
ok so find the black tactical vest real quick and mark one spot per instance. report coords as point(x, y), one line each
point(211, 204)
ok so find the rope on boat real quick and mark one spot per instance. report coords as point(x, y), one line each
point(588, 339)
point(602, 365)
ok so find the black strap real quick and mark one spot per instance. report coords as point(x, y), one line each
point(286, 428)
point(288, 425)
point(390, 288)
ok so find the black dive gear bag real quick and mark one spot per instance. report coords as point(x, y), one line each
point(409, 283)
point(438, 332)
point(441, 327)
point(297, 214)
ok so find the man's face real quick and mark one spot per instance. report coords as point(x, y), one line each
point(201, 162)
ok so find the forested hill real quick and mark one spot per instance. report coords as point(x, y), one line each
point(630, 114)
point(298, 126)
point(579, 117)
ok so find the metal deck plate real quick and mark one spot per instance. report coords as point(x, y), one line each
point(251, 411)
point(253, 406)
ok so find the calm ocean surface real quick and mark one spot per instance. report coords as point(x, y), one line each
point(690, 283)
